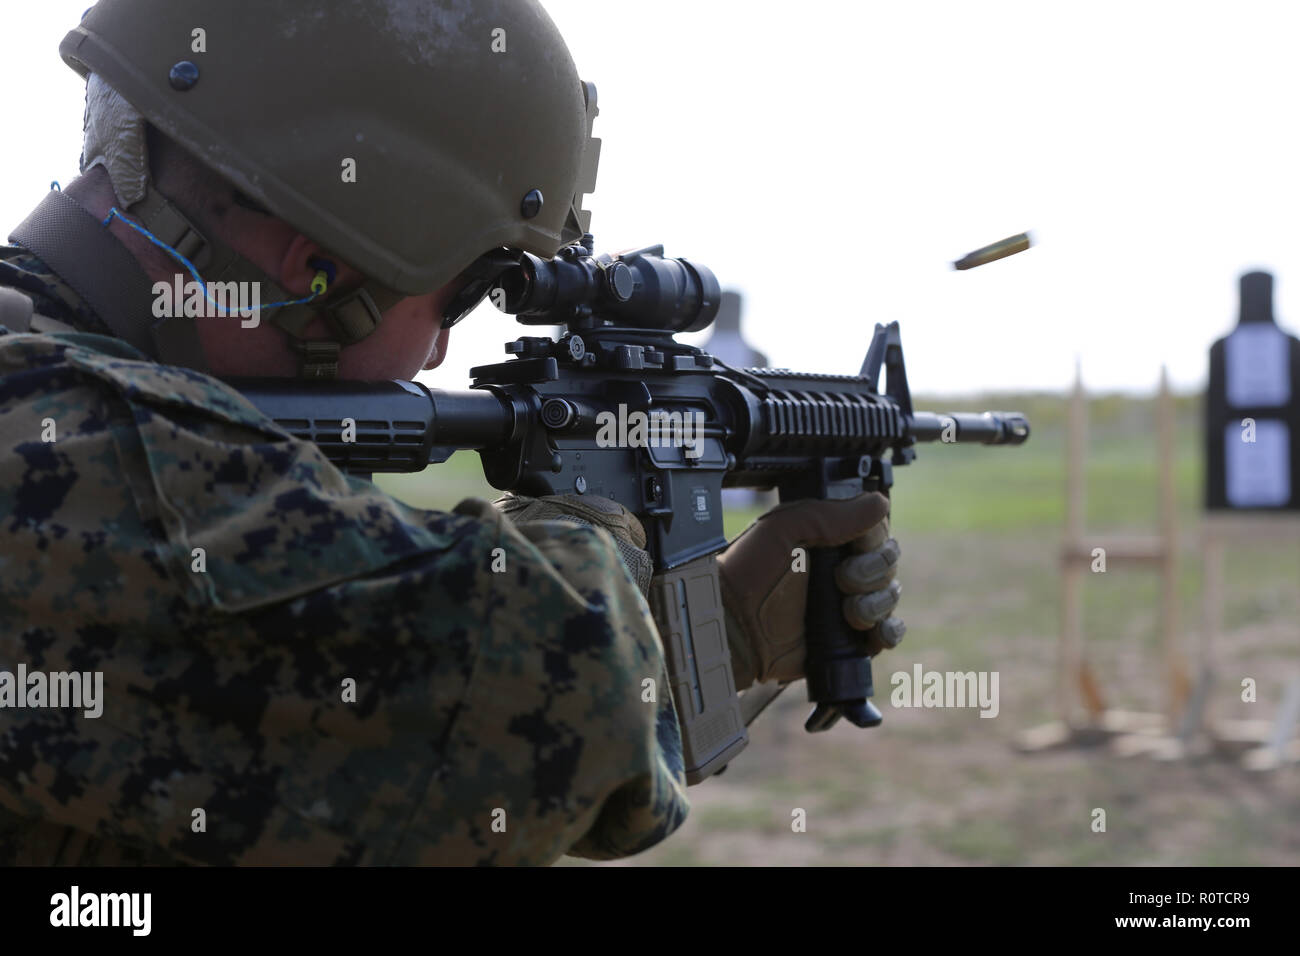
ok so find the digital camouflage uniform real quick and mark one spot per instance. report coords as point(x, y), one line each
point(223, 688)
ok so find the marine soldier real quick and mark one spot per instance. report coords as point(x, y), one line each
point(297, 668)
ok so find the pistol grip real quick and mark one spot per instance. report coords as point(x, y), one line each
point(837, 669)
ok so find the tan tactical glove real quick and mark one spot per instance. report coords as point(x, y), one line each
point(593, 511)
point(765, 583)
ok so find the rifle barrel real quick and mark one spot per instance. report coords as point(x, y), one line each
point(984, 428)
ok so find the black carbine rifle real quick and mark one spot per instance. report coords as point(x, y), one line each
point(555, 418)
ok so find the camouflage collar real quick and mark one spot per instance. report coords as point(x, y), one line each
point(51, 296)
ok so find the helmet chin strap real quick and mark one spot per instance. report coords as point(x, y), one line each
point(351, 316)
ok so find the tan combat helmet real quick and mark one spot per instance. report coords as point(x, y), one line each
point(414, 139)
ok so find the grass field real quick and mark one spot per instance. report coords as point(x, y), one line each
point(980, 530)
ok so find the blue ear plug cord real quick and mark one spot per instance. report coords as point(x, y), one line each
point(318, 284)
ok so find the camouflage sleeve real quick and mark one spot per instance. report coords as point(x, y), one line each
point(296, 667)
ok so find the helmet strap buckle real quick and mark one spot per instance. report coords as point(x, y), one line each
point(317, 358)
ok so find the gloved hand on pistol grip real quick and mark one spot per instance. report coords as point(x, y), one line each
point(765, 583)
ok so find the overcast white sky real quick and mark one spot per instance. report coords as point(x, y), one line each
point(829, 159)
